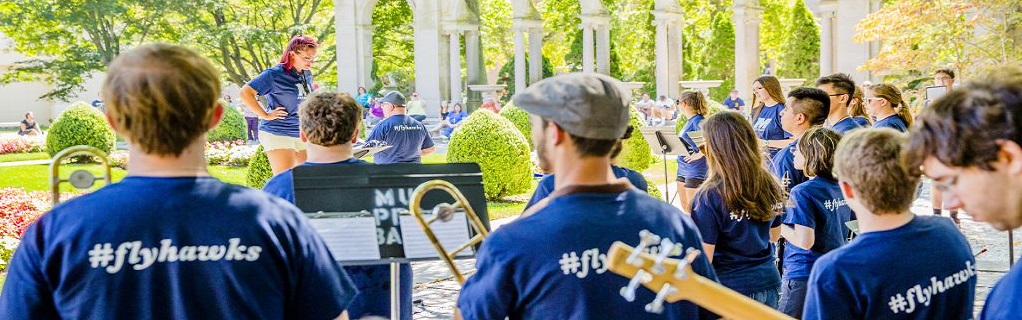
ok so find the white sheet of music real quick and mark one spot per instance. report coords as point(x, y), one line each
point(451, 235)
point(349, 238)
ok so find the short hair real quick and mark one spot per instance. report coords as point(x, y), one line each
point(858, 109)
point(893, 95)
point(329, 118)
point(839, 81)
point(161, 97)
point(964, 128)
point(696, 100)
point(818, 145)
point(947, 71)
point(869, 160)
point(812, 102)
point(620, 145)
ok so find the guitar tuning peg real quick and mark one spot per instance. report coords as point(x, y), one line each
point(657, 306)
point(690, 256)
point(667, 248)
point(628, 292)
point(646, 238)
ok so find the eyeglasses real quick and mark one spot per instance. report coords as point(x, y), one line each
point(309, 59)
point(837, 94)
point(946, 184)
point(868, 100)
point(942, 78)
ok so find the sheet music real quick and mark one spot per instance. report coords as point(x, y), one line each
point(451, 235)
point(349, 239)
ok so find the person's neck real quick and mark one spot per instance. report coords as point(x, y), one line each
point(836, 114)
point(191, 162)
point(331, 154)
point(870, 222)
point(582, 171)
point(798, 133)
point(885, 114)
point(769, 102)
point(396, 112)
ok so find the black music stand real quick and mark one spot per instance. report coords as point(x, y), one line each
point(664, 141)
point(351, 206)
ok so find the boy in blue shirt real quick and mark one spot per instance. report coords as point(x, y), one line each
point(169, 241)
point(329, 124)
point(983, 118)
point(815, 223)
point(840, 88)
point(551, 263)
point(408, 138)
point(901, 266)
point(805, 108)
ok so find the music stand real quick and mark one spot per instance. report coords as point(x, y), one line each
point(664, 141)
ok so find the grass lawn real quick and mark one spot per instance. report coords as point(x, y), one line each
point(13, 157)
point(36, 177)
point(655, 172)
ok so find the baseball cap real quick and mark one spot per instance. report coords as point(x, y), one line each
point(395, 98)
point(587, 105)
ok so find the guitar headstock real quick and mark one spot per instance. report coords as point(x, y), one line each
point(664, 275)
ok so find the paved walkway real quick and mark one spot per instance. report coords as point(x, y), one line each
point(25, 163)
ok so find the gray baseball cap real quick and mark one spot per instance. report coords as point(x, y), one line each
point(588, 105)
point(394, 98)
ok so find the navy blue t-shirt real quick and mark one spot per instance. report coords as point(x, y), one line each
point(282, 89)
point(768, 124)
point(743, 256)
point(406, 136)
point(176, 248)
point(546, 185)
point(695, 169)
point(553, 264)
point(1003, 300)
point(893, 122)
point(847, 124)
point(782, 165)
point(283, 184)
point(818, 204)
point(863, 122)
point(733, 104)
point(922, 270)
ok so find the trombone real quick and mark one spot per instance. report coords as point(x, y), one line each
point(445, 212)
point(81, 178)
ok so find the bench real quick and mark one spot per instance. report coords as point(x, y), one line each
point(16, 124)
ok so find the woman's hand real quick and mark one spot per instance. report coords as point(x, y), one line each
point(278, 113)
point(694, 157)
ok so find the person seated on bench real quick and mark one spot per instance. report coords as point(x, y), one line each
point(29, 127)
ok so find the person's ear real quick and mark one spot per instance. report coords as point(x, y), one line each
point(1010, 155)
point(218, 114)
point(354, 136)
point(846, 190)
point(303, 136)
point(558, 135)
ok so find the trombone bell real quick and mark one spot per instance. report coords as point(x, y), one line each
point(445, 212)
point(80, 179)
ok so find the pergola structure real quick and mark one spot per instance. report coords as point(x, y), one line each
point(440, 25)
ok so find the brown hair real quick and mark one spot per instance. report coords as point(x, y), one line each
point(818, 145)
point(330, 118)
point(161, 97)
point(869, 161)
point(696, 100)
point(966, 127)
point(620, 145)
point(736, 167)
point(857, 108)
point(811, 102)
point(773, 89)
point(893, 96)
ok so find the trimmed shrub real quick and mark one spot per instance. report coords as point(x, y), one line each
point(80, 124)
point(520, 119)
point(636, 154)
point(258, 170)
point(500, 150)
point(232, 127)
point(653, 190)
point(714, 107)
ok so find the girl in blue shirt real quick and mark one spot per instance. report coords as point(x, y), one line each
point(691, 168)
point(767, 102)
point(815, 223)
point(736, 209)
point(454, 120)
point(284, 86)
point(884, 103)
point(364, 97)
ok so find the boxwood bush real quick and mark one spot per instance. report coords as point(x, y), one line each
point(80, 124)
point(520, 118)
point(500, 150)
point(232, 127)
point(258, 170)
point(636, 154)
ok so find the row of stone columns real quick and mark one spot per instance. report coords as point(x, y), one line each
point(533, 29)
point(598, 27)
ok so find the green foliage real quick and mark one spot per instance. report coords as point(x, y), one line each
point(520, 119)
point(258, 170)
point(232, 127)
point(506, 76)
point(720, 56)
point(801, 53)
point(500, 150)
point(495, 32)
point(636, 154)
point(653, 191)
point(393, 46)
point(80, 124)
point(772, 31)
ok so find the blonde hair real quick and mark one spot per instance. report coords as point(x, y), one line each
point(161, 97)
point(329, 118)
point(696, 100)
point(857, 108)
point(870, 161)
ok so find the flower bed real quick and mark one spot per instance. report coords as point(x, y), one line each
point(18, 209)
point(235, 154)
point(20, 144)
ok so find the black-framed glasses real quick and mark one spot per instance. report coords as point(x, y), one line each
point(837, 94)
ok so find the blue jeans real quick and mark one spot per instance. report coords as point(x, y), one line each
point(793, 297)
point(768, 297)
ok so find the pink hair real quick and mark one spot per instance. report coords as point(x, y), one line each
point(297, 43)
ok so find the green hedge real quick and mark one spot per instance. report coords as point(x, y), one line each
point(80, 124)
point(258, 170)
point(500, 150)
point(232, 127)
point(636, 154)
point(520, 118)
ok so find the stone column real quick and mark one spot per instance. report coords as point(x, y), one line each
point(348, 62)
point(475, 67)
point(746, 19)
point(603, 47)
point(519, 60)
point(535, 53)
point(587, 48)
point(668, 52)
point(428, 61)
point(534, 30)
point(827, 48)
point(455, 51)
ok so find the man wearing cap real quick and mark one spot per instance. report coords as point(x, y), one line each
point(733, 102)
point(408, 138)
point(551, 263)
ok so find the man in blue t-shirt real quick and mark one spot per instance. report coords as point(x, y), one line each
point(901, 265)
point(840, 88)
point(551, 263)
point(733, 102)
point(170, 241)
point(329, 123)
point(984, 117)
point(408, 139)
point(805, 108)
